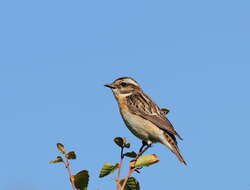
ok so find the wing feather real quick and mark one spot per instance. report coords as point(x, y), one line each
point(141, 105)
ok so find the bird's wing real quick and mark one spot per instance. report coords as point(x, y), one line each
point(141, 105)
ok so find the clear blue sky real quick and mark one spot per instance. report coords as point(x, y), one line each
point(192, 57)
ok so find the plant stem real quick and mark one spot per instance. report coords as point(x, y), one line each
point(69, 173)
point(126, 179)
point(131, 170)
point(118, 186)
point(141, 152)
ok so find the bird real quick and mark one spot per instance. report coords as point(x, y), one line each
point(143, 117)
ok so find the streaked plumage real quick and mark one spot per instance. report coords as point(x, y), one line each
point(142, 116)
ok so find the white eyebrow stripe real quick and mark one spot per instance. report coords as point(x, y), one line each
point(131, 81)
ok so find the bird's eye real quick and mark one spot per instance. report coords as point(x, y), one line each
point(123, 84)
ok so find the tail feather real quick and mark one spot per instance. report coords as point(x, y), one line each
point(180, 157)
point(172, 145)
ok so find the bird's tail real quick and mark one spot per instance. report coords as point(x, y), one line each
point(171, 143)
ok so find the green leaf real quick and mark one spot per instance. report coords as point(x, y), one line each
point(130, 154)
point(132, 184)
point(146, 160)
point(119, 141)
point(127, 145)
point(60, 147)
point(58, 160)
point(165, 111)
point(71, 155)
point(107, 169)
point(81, 180)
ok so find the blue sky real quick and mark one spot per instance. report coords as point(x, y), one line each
point(189, 56)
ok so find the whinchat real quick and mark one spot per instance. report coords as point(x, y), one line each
point(143, 117)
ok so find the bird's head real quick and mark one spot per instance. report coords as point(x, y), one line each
point(123, 86)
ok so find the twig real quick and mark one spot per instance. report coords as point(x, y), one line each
point(132, 169)
point(141, 152)
point(118, 186)
point(69, 172)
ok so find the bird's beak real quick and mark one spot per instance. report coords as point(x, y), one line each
point(110, 86)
